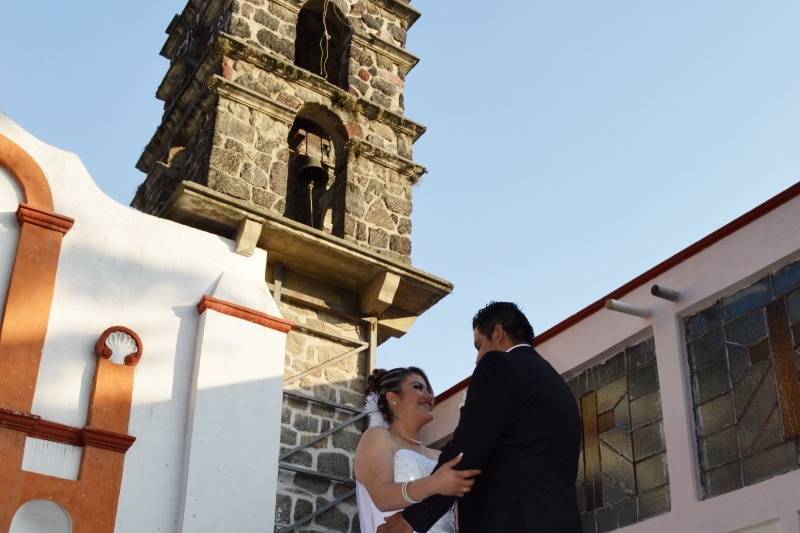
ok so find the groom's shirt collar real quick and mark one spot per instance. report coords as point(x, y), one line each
point(518, 345)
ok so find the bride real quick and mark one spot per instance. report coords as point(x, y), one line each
point(393, 468)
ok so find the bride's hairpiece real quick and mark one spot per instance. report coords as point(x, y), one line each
point(376, 418)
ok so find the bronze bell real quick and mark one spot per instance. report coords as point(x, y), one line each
point(311, 170)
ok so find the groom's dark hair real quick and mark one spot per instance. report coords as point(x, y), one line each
point(508, 315)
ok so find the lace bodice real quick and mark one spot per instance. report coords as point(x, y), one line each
point(408, 466)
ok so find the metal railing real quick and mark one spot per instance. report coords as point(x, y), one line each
point(357, 347)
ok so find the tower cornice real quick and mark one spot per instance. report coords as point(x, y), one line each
point(184, 104)
point(307, 250)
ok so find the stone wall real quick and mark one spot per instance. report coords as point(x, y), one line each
point(186, 159)
point(375, 76)
point(235, 140)
point(249, 156)
point(341, 382)
point(379, 209)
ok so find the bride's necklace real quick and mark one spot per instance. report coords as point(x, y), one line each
point(403, 435)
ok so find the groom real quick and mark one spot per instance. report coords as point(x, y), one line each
point(521, 427)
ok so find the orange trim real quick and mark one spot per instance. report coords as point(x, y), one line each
point(245, 313)
point(36, 427)
point(112, 393)
point(53, 431)
point(28, 173)
point(45, 219)
point(107, 440)
point(92, 500)
point(732, 227)
point(30, 287)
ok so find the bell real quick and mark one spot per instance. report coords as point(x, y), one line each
point(310, 170)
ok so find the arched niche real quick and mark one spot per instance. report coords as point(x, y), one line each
point(322, 43)
point(41, 516)
point(315, 192)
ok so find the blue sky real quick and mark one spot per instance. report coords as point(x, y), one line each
point(571, 145)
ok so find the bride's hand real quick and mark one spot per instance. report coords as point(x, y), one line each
point(450, 482)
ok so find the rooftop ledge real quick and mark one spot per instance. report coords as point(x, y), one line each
point(395, 292)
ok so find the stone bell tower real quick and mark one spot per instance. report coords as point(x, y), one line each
point(284, 129)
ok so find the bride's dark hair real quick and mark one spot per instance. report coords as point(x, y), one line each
point(383, 381)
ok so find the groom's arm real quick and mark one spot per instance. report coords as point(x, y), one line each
point(488, 409)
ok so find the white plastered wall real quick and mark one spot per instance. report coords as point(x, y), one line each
point(732, 263)
point(121, 267)
point(10, 198)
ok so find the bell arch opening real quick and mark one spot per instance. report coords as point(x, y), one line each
point(41, 516)
point(317, 170)
point(322, 43)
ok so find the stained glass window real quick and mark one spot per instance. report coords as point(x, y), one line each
point(622, 475)
point(744, 359)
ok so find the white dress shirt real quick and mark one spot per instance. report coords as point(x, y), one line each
point(518, 345)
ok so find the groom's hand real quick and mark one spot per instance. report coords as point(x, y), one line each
point(395, 524)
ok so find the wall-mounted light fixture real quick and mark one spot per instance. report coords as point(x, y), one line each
point(663, 292)
point(628, 309)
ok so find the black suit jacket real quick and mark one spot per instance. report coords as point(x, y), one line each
point(520, 426)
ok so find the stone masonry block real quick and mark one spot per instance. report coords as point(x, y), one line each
point(288, 436)
point(332, 519)
point(240, 27)
point(302, 508)
point(380, 216)
point(334, 463)
point(378, 238)
point(398, 205)
point(346, 440)
point(312, 484)
point(283, 509)
point(276, 43)
point(236, 187)
point(282, 13)
point(229, 125)
point(266, 19)
point(225, 161)
point(306, 423)
point(399, 244)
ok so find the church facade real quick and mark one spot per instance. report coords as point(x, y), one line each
point(197, 364)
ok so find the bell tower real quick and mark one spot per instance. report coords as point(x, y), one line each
point(284, 129)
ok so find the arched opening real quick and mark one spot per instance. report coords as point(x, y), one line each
point(317, 170)
point(322, 45)
point(41, 516)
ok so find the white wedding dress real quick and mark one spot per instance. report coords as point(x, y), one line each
point(408, 465)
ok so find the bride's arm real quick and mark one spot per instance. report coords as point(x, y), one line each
point(374, 468)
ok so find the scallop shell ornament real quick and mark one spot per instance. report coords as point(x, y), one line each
point(119, 345)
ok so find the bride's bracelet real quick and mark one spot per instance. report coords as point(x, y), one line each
point(404, 491)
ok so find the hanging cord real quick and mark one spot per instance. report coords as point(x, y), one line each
point(326, 38)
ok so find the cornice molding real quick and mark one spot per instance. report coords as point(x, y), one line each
point(252, 99)
point(399, 55)
point(244, 313)
point(400, 8)
point(36, 427)
point(186, 103)
point(386, 159)
point(239, 49)
point(107, 440)
point(44, 219)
